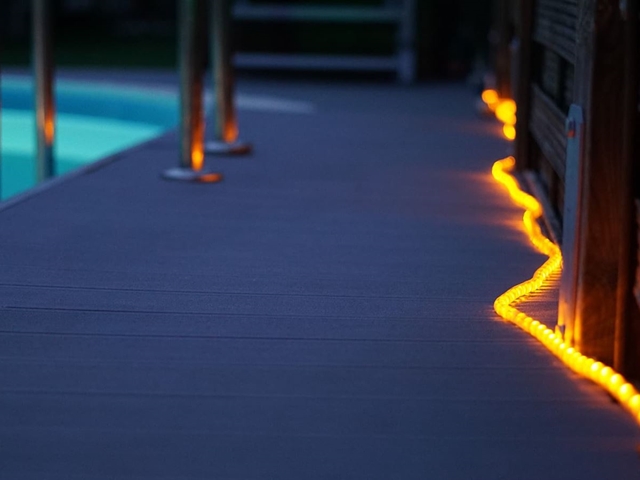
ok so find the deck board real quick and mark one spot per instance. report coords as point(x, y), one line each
point(325, 312)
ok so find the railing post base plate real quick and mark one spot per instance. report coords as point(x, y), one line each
point(223, 148)
point(190, 175)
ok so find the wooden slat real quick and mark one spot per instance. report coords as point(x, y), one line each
point(567, 92)
point(551, 73)
point(555, 26)
point(548, 129)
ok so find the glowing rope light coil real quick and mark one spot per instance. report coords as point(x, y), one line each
point(491, 98)
point(603, 375)
point(504, 110)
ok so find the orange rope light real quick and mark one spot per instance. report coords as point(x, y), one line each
point(504, 110)
point(603, 375)
point(491, 98)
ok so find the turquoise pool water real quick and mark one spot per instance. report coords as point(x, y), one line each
point(93, 121)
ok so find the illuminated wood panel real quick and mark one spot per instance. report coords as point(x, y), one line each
point(548, 130)
point(555, 26)
point(545, 90)
point(606, 87)
point(585, 53)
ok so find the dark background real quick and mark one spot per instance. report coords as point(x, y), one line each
point(451, 34)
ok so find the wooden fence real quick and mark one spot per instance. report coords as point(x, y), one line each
point(572, 67)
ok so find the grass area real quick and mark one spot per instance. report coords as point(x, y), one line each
point(95, 52)
point(103, 50)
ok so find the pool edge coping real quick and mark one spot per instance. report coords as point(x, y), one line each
point(55, 181)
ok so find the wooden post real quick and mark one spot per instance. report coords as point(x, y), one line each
point(502, 31)
point(626, 348)
point(604, 226)
point(523, 87)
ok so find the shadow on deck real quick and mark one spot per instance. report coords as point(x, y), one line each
point(325, 312)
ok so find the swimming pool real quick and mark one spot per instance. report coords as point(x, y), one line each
point(93, 121)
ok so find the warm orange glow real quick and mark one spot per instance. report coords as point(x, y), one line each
point(491, 98)
point(505, 110)
point(210, 178)
point(509, 131)
point(49, 130)
point(197, 158)
point(230, 132)
point(603, 375)
point(634, 402)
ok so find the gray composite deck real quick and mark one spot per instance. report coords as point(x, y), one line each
point(324, 313)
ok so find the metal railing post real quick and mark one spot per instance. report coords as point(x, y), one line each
point(192, 45)
point(225, 120)
point(43, 72)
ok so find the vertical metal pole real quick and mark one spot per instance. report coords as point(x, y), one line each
point(42, 59)
point(192, 45)
point(225, 118)
point(191, 64)
point(226, 122)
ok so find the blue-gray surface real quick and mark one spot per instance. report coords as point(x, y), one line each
point(325, 312)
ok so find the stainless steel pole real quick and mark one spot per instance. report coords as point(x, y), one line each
point(42, 59)
point(225, 126)
point(192, 45)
